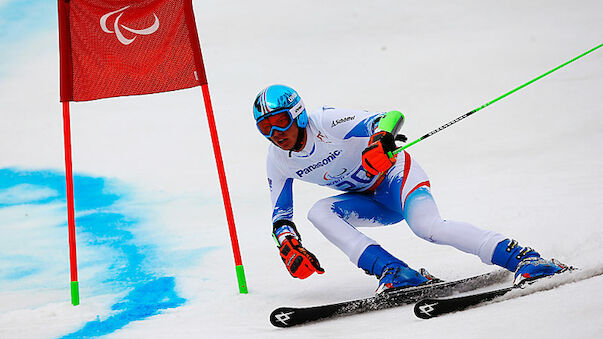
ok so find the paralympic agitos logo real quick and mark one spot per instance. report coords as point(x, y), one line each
point(319, 164)
point(117, 26)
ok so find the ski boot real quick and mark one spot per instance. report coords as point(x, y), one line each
point(392, 272)
point(524, 261)
point(399, 276)
point(530, 269)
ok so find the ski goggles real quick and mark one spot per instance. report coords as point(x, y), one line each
point(280, 121)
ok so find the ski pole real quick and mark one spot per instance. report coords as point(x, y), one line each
point(398, 150)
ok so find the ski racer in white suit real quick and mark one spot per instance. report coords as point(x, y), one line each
point(348, 151)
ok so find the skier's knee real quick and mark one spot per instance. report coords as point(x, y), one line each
point(425, 228)
point(319, 209)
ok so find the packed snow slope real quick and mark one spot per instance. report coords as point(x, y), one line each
point(154, 253)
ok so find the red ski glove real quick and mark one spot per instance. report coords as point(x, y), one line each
point(299, 261)
point(374, 157)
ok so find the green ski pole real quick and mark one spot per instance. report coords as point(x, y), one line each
point(400, 149)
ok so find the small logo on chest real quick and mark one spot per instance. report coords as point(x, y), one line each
point(339, 121)
point(323, 138)
point(328, 177)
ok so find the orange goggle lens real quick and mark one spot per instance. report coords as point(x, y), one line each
point(280, 121)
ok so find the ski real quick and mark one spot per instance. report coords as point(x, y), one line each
point(434, 306)
point(292, 316)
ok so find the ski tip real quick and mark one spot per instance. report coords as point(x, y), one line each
point(282, 317)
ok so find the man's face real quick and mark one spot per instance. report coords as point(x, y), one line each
point(286, 139)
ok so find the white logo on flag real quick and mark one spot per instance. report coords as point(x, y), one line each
point(145, 31)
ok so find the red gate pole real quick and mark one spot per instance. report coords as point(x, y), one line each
point(224, 186)
point(75, 294)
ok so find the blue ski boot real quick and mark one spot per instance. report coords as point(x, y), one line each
point(392, 272)
point(525, 262)
point(533, 268)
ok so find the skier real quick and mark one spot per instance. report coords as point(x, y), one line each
point(348, 151)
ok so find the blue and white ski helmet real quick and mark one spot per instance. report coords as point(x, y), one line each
point(278, 98)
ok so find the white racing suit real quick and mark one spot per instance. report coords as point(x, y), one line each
point(332, 157)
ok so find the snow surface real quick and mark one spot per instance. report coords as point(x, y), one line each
point(153, 247)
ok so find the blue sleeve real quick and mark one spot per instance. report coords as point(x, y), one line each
point(283, 206)
point(281, 191)
point(364, 128)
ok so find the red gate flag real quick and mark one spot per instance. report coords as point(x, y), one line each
point(113, 48)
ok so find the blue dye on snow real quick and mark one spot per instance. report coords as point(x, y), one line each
point(21, 19)
point(20, 22)
point(144, 301)
point(100, 223)
point(20, 273)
